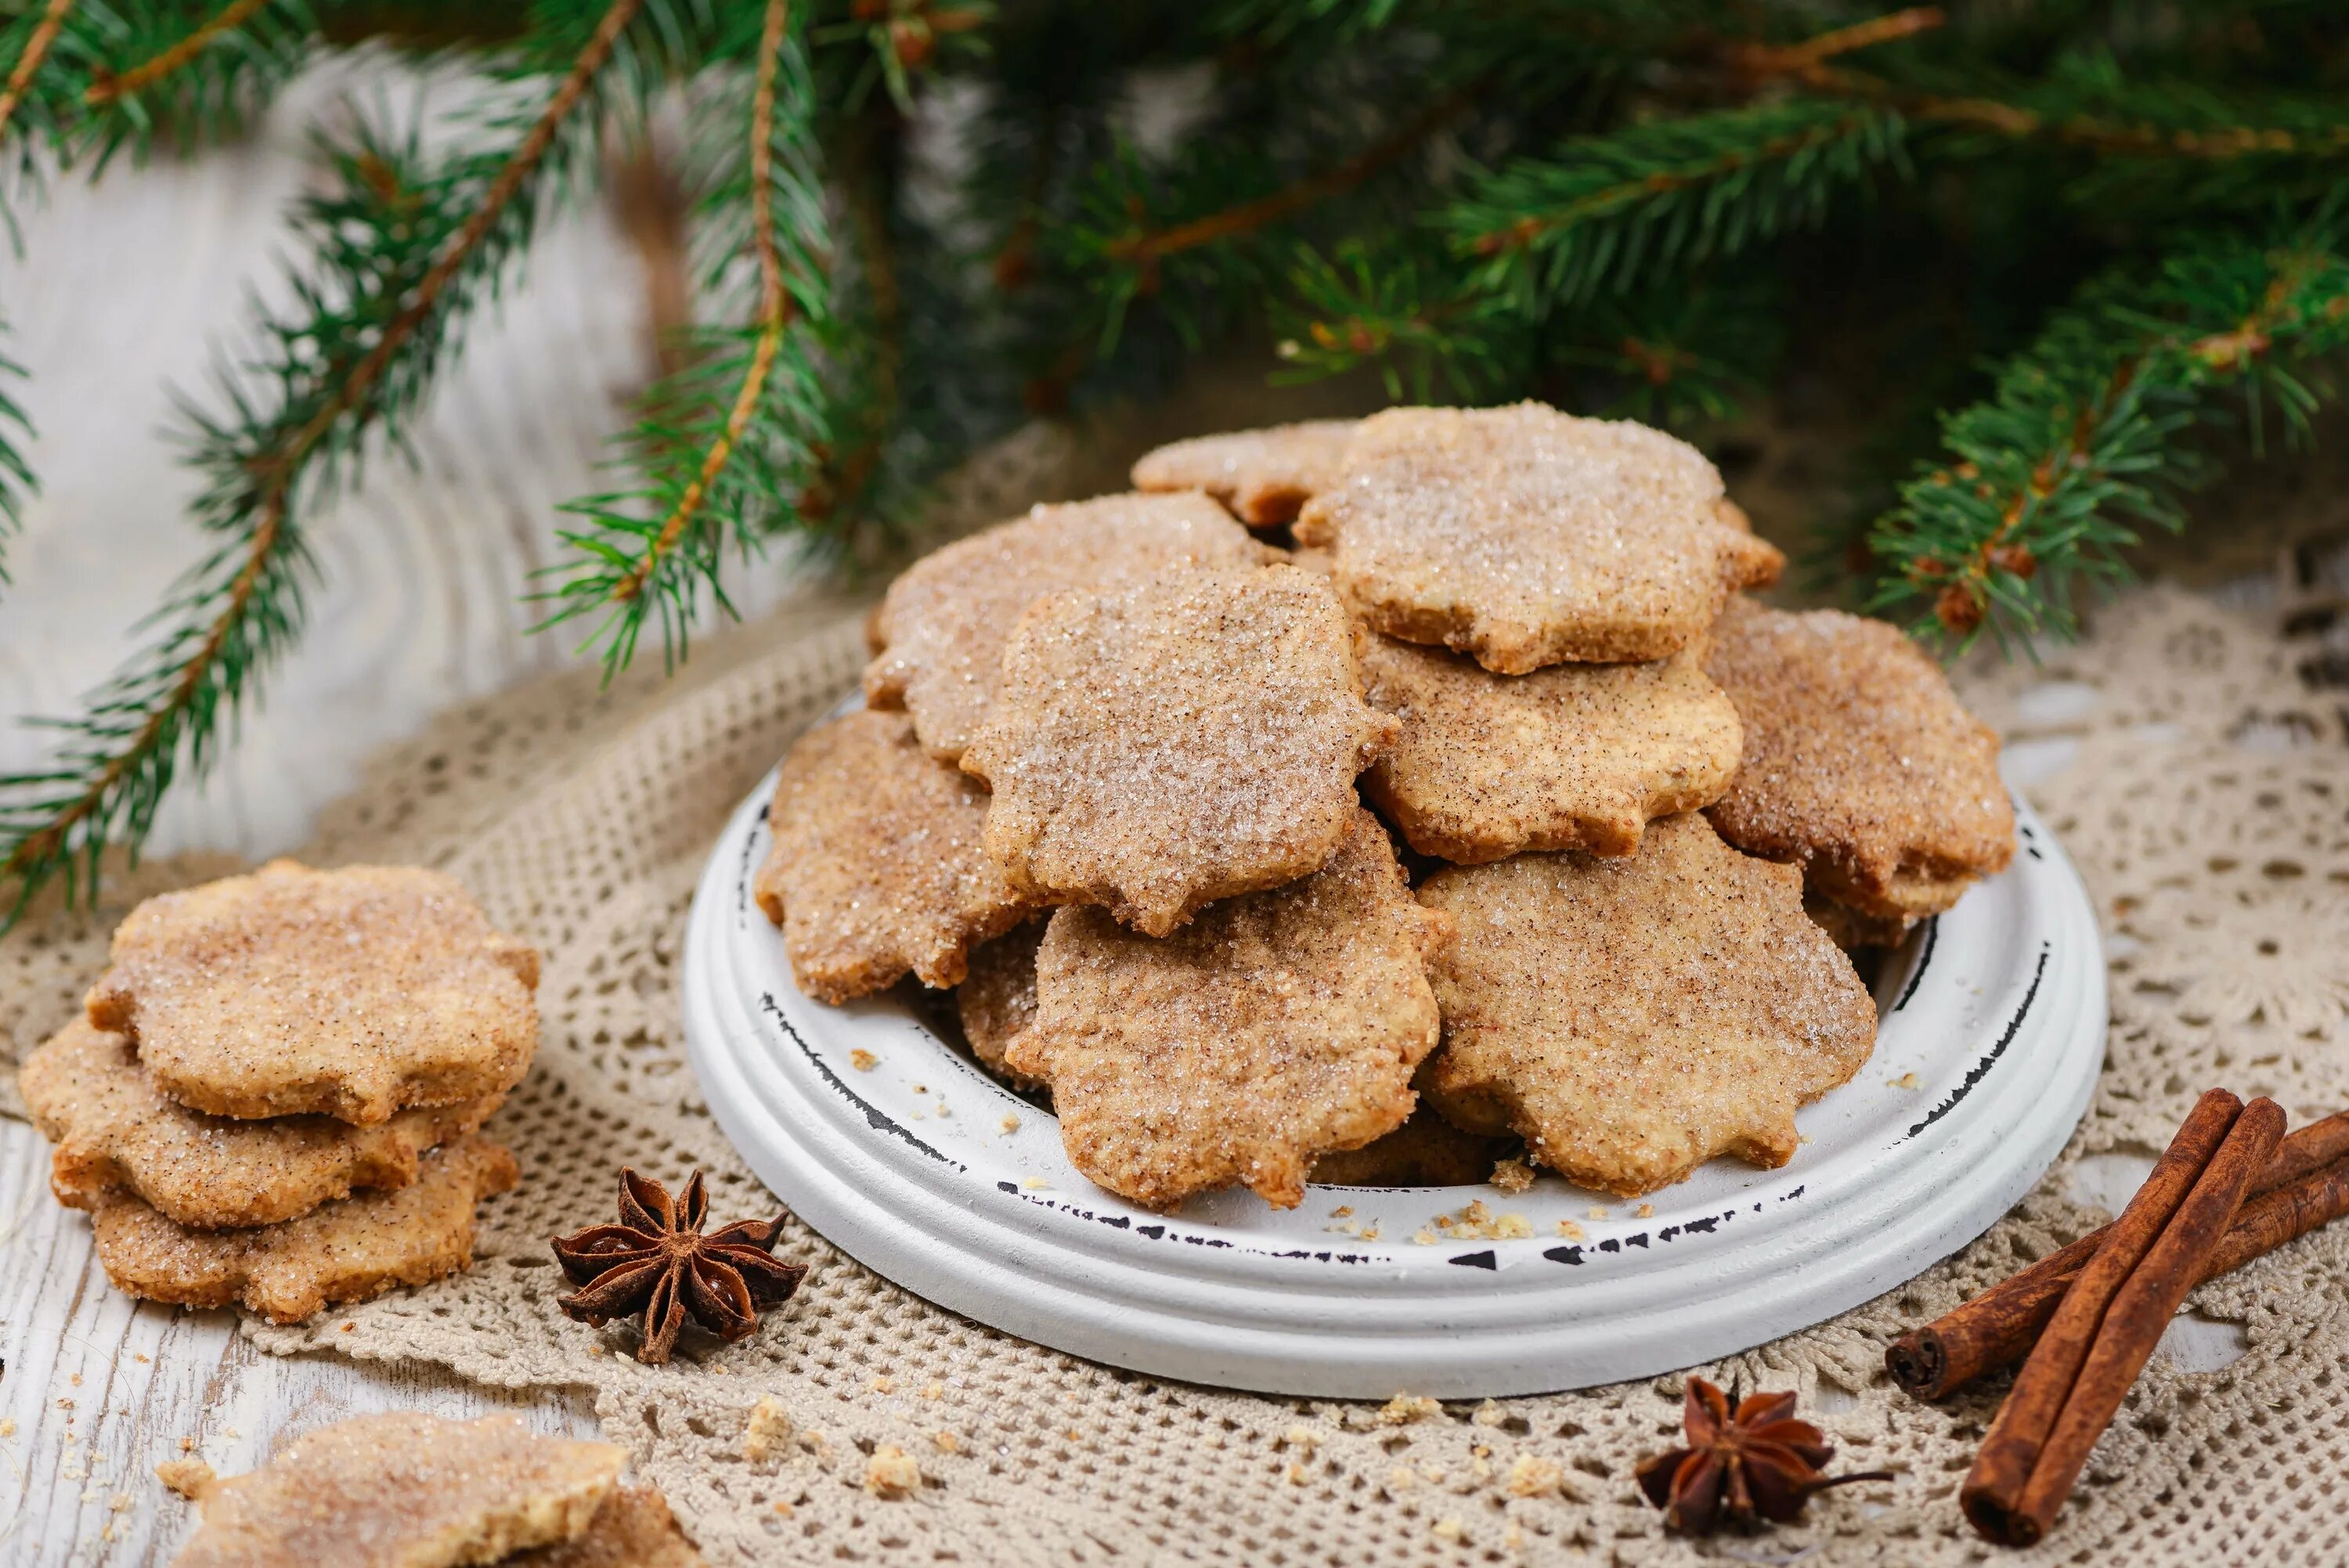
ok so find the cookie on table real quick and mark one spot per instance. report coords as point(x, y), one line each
point(351, 993)
point(1158, 746)
point(1860, 764)
point(118, 1134)
point(1276, 1028)
point(1631, 1018)
point(1527, 537)
point(1263, 476)
point(1574, 756)
point(1425, 1151)
point(997, 1000)
point(400, 1490)
point(875, 870)
point(345, 1251)
point(939, 632)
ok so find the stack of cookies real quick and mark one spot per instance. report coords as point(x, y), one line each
point(1132, 772)
point(274, 1092)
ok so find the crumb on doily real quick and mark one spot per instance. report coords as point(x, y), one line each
point(891, 1471)
point(1530, 1475)
point(1404, 1408)
point(767, 1426)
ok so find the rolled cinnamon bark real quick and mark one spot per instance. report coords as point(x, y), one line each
point(2001, 1323)
point(1993, 1493)
point(2135, 1322)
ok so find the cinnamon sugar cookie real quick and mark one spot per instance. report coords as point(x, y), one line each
point(875, 870)
point(1527, 537)
point(348, 992)
point(1158, 746)
point(998, 998)
point(346, 1251)
point(1263, 476)
point(1631, 1018)
point(1425, 1151)
point(1276, 1027)
point(117, 1133)
point(940, 632)
point(402, 1489)
point(1575, 757)
point(1859, 762)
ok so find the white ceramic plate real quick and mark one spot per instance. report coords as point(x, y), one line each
point(928, 1171)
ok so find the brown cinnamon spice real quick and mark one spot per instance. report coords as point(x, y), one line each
point(1993, 1489)
point(2001, 1323)
point(2016, 1507)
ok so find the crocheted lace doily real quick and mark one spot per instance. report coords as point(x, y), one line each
point(2190, 757)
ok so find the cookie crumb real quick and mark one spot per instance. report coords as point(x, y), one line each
point(1036, 1185)
point(1569, 1230)
point(191, 1478)
point(1422, 1237)
point(1647, 1211)
point(1906, 1080)
point(768, 1424)
point(891, 1471)
point(944, 1111)
point(1513, 1176)
point(946, 1442)
point(1401, 1479)
point(1595, 1212)
point(1009, 1123)
point(1530, 1475)
point(933, 1390)
point(1447, 1530)
point(1302, 1437)
point(8, 1428)
point(785, 1508)
point(1297, 1476)
point(1341, 1211)
point(1404, 1408)
point(863, 1060)
point(1489, 1414)
point(884, 1384)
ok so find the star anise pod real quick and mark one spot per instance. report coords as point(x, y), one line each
point(656, 1260)
point(1746, 1460)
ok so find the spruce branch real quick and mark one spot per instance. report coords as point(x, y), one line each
point(39, 40)
point(111, 88)
point(362, 343)
point(2082, 440)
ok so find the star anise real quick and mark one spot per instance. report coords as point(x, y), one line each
point(656, 1260)
point(1747, 1461)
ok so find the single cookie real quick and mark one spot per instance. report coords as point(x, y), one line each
point(1263, 476)
point(1576, 757)
point(402, 1489)
point(1275, 1028)
point(348, 1251)
point(875, 870)
point(349, 993)
point(116, 1133)
point(1425, 1151)
point(1158, 746)
point(1631, 1018)
point(634, 1528)
point(1859, 762)
point(998, 998)
point(941, 629)
point(1527, 537)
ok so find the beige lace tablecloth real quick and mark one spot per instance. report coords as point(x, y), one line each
point(2191, 758)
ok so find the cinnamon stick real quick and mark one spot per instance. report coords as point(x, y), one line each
point(1993, 1493)
point(2138, 1317)
point(2001, 1323)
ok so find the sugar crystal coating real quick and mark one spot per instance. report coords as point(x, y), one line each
point(404, 1490)
point(348, 1251)
point(1157, 746)
point(348, 993)
point(1631, 1018)
point(875, 868)
point(1527, 537)
point(1263, 476)
point(1859, 762)
point(117, 1133)
point(1276, 1027)
point(938, 636)
point(1575, 757)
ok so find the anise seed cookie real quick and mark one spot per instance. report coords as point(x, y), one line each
point(1276, 1027)
point(939, 634)
point(1425, 1151)
point(403, 1489)
point(1859, 764)
point(345, 1251)
point(998, 998)
point(1631, 1018)
point(1158, 746)
point(349, 993)
point(1575, 757)
point(634, 1528)
point(877, 870)
point(1263, 476)
point(117, 1133)
point(1527, 537)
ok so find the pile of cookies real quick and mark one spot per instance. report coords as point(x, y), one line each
point(407, 1490)
point(273, 1093)
point(1132, 771)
